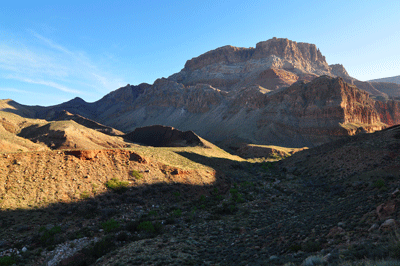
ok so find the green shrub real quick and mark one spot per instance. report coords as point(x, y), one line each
point(136, 174)
point(85, 195)
point(395, 250)
point(295, 247)
point(99, 248)
point(236, 196)
point(311, 246)
point(47, 237)
point(6, 260)
point(380, 183)
point(202, 198)
point(116, 185)
point(152, 213)
point(266, 166)
point(227, 208)
point(177, 213)
point(146, 226)
point(110, 225)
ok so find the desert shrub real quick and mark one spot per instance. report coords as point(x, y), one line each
point(98, 249)
point(152, 228)
point(48, 236)
point(247, 184)
point(395, 251)
point(295, 247)
point(266, 166)
point(202, 198)
point(123, 236)
point(84, 232)
point(177, 213)
point(227, 208)
point(85, 195)
point(110, 225)
point(136, 174)
point(7, 260)
point(366, 250)
point(311, 246)
point(115, 185)
point(152, 213)
point(236, 196)
point(177, 194)
point(146, 226)
point(380, 183)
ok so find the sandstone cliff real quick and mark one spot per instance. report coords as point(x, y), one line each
point(304, 114)
point(229, 68)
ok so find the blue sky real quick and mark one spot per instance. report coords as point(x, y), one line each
point(51, 52)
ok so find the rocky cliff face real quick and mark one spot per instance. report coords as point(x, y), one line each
point(229, 68)
point(304, 114)
point(339, 70)
point(389, 111)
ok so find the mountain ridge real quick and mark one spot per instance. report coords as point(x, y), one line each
point(239, 93)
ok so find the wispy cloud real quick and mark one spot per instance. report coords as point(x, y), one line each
point(46, 83)
point(14, 90)
point(42, 61)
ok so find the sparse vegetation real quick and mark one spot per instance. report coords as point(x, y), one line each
point(136, 174)
point(48, 237)
point(7, 260)
point(117, 185)
point(380, 183)
point(85, 195)
point(254, 207)
point(146, 226)
point(110, 225)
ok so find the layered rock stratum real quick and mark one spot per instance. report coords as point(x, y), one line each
point(280, 92)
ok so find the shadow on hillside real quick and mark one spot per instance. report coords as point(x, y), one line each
point(24, 224)
point(232, 170)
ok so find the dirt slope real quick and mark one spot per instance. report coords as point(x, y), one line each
point(25, 134)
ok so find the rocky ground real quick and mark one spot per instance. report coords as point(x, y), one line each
point(337, 204)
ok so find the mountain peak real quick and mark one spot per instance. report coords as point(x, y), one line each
point(301, 55)
point(77, 100)
point(229, 67)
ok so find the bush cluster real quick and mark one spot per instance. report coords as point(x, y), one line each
point(117, 185)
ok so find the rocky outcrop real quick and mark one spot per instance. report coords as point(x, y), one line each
point(303, 56)
point(163, 136)
point(229, 68)
point(225, 55)
point(339, 70)
point(389, 112)
point(167, 93)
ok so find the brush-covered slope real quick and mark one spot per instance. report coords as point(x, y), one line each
point(365, 157)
